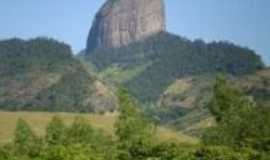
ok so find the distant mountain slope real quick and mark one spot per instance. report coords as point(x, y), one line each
point(42, 74)
point(191, 96)
point(158, 61)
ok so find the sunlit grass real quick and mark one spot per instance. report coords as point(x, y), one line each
point(39, 121)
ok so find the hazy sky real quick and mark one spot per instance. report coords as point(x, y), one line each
point(245, 22)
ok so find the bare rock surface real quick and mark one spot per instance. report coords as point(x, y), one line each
point(120, 22)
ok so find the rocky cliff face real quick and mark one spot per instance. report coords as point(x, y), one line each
point(120, 22)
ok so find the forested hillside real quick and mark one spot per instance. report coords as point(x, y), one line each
point(148, 67)
point(42, 74)
point(184, 103)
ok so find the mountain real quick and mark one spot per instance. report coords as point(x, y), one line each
point(120, 22)
point(148, 67)
point(42, 74)
point(171, 76)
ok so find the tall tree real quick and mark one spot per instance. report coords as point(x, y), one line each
point(133, 130)
point(240, 122)
point(56, 131)
point(25, 141)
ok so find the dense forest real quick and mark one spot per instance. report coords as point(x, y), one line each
point(241, 133)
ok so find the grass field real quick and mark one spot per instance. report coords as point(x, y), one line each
point(39, 121)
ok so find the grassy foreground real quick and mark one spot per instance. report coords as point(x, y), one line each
point(39, 121)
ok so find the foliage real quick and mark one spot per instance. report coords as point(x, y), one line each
point(56, 131)
point(240, 122)
point(224, 98)
point(25, 141)
point(79, 141)
point(132, 129)
point(222, 153)
point(169, 151)
point(80, 132)
point(18, 56)
point(69, 94)
point(23, 133)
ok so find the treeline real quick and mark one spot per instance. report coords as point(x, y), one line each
point(18, 56)
point(242, 133)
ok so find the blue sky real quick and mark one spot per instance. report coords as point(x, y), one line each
point(245, 22)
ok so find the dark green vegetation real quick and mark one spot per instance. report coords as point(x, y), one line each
point(173, 77)
point(42, 74)
point(153, 64)
point(184, 103)
point(134, 138)
point(241, 123)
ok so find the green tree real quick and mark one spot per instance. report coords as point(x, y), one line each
point(25, 141)
point(224, 99)
point(5, 154)
point(80, 131)
point(84, 135)
point(69, 152)
point(240, 122)
point(24, 136)
point(56, 131)
point(173, 151)
point(221, 153)
point(133, 130)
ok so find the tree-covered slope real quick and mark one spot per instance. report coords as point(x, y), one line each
point(166, 58)
point(42, 74)
point(184, 104)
